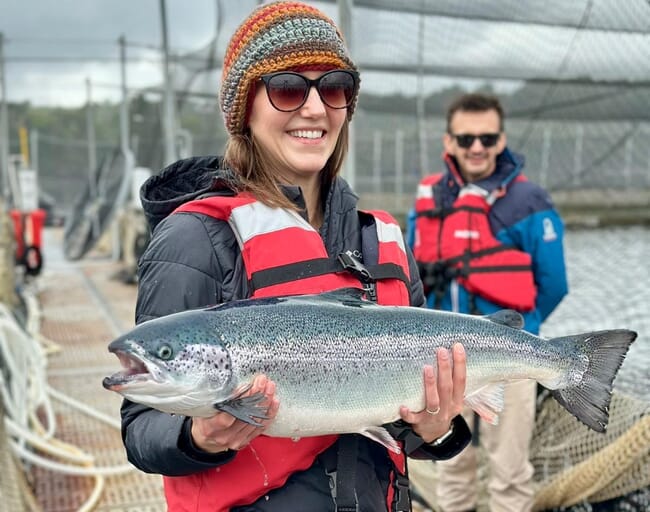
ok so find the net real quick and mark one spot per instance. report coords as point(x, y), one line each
point(573, 79)
point(576, 468)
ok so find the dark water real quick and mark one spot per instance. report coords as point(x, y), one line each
point(609, 287)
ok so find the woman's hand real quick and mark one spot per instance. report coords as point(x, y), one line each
point(223, 432)
point(443, 392)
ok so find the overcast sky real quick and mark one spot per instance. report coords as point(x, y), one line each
point(52, 46)
point(41, 34)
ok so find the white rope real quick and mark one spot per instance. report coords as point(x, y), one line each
point(25, 391)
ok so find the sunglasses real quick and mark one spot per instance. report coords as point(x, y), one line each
point(487, 139)
point(288, 91)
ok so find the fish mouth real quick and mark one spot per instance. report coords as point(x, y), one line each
point(134, 369)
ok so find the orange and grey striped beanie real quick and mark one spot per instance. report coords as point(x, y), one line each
point(278, 36)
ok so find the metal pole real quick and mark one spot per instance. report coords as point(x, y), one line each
point(648, 173)
point(168, 99)
point(124, 105)
point(627, 166)
point(92, 143)
point(4, 127)
point(577, 157)
point(345, 24)
point(127, 155)
point(399, 168)
point(422, 134)
point(376, 161)
point(33, 149)
point(546, 154)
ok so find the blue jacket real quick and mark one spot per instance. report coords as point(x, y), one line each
point(525, 218)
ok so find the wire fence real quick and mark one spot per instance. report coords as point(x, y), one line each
point(574, 81)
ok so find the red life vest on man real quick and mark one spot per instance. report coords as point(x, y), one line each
point(271, 239)
point(458, 243)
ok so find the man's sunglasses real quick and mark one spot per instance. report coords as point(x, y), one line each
point(487, 139)
point(288, 91)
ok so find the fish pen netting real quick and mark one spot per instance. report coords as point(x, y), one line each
point(576, 469)
point(574, 464)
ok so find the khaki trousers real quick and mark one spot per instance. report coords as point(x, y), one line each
point(507, 447)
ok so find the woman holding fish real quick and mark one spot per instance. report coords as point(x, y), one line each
point(270, 218)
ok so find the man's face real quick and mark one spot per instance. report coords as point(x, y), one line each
point(476, 161)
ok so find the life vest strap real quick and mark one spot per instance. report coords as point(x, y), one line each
point(503, 268)
point(344, 477)
point(402, 497)
point(441, 212)
point(469, 255)
point(321, 266)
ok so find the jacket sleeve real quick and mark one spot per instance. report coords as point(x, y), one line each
point(541, 234)
point(548, 262)
point(416, 448)
point(178, 271)
point(410, 228)
point(417, 290)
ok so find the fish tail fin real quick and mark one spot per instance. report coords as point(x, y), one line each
point(589, 399)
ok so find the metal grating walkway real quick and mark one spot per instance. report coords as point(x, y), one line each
point(83, 308)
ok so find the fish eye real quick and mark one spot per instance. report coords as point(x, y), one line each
point(165, 352)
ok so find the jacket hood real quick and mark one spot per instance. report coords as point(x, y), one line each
point(191, 178)
point(181, 182)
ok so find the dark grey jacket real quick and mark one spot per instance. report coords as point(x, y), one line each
point(193, 260)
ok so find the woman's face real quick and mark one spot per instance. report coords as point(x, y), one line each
point(301, 141)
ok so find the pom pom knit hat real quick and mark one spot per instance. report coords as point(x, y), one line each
point(278, 36)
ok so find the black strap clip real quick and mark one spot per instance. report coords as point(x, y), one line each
point(346, 507)
point(355, 267)
point(402, 501)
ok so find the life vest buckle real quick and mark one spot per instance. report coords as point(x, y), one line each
point(355, 267)
point(402, 501)
point(333, 491)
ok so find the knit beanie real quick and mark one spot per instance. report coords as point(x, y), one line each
point(278, 36)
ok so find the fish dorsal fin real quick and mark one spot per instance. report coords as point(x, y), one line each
point(344, 296)
point(508, 317)
point(487, 401)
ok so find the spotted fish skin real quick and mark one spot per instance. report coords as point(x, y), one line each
point(343, 364)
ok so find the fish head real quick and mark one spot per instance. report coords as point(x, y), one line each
point(172, 364)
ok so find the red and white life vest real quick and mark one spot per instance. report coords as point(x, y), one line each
point(458, 243)
point(274, 238)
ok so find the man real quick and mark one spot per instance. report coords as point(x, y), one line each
point(485, 239)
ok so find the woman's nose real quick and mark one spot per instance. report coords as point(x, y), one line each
point(314, 106)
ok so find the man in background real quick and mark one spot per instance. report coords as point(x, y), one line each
point(485, 238)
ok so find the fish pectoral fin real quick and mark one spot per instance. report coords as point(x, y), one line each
point(381, 435)
point(508, 317)
point(487, 402)
point(248, 409)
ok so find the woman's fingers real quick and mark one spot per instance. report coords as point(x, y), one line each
point(459, 376)
point(444, 389)
point(223, 431)
point(432, 398)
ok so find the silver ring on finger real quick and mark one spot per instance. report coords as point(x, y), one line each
point(434, 412)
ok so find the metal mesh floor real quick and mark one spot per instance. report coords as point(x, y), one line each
point(83, 308)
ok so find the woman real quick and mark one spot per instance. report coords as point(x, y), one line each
point(274, 218)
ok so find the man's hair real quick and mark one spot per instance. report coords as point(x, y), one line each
point(475, 102)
